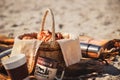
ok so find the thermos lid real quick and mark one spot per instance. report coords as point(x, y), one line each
point(84, 46)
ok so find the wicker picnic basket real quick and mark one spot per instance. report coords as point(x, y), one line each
point(51, 49)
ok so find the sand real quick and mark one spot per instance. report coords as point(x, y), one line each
point(96, 18)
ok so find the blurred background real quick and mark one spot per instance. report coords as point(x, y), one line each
point(96, 18)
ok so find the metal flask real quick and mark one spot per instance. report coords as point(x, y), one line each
point(90, 50)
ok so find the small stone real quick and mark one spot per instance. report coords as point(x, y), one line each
point(1, 26)
point(106, 23)
point(61, 26)
point(14, 25)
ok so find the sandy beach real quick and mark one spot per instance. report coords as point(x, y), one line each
point(98, 19)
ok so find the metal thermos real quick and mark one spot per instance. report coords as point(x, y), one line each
point(90, 50)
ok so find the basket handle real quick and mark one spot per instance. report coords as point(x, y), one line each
point(53, 23)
